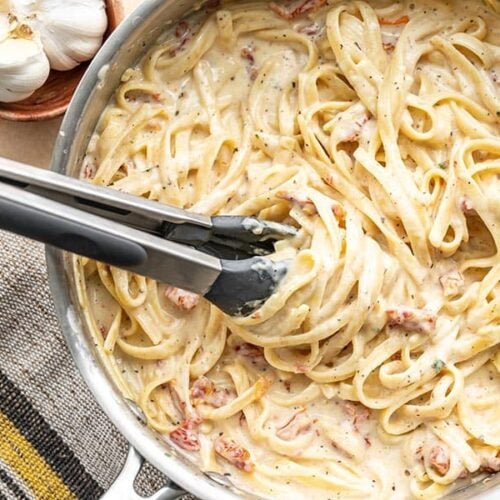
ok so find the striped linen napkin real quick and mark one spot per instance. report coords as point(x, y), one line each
point(55, 442)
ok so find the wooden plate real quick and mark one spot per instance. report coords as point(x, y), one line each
point(52, 99)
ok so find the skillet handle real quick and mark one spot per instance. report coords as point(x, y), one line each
point(123, 487)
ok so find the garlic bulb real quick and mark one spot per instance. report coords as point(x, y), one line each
point(24, 67)
point(71, 31)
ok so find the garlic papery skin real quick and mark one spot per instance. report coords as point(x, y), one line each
point(24, 67)
point(71, 31)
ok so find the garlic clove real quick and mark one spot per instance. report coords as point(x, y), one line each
point(24, 68)
point(71, 31)
point(68, 45)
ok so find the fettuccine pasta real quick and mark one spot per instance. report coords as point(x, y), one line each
point(373, 128)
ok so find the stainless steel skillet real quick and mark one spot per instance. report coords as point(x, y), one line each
point(126, 46)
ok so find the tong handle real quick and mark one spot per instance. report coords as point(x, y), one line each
point(118, 206)
point(92, 236)
point(66, 234)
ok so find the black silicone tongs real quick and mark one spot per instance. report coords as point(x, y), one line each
point(222, 258)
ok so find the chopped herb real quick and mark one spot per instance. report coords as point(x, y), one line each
point(442, 165)
point(438, 365)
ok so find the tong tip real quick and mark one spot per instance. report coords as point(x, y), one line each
point(244, 285)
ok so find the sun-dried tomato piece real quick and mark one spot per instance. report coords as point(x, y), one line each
point(185, 436)
point(389, 47)
point(357, 412)
point(234, 453)
point(393, 22)
point(183, 33)
point(310, 29)
point(205, 391)
point(298, 424)
point(182, 29)
point(182, 299)
point(305, 7)
point(250, 351)
point(439, 460)
point(411, 318)
point(491, 464)
point(301, 199)
point(247, 53)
